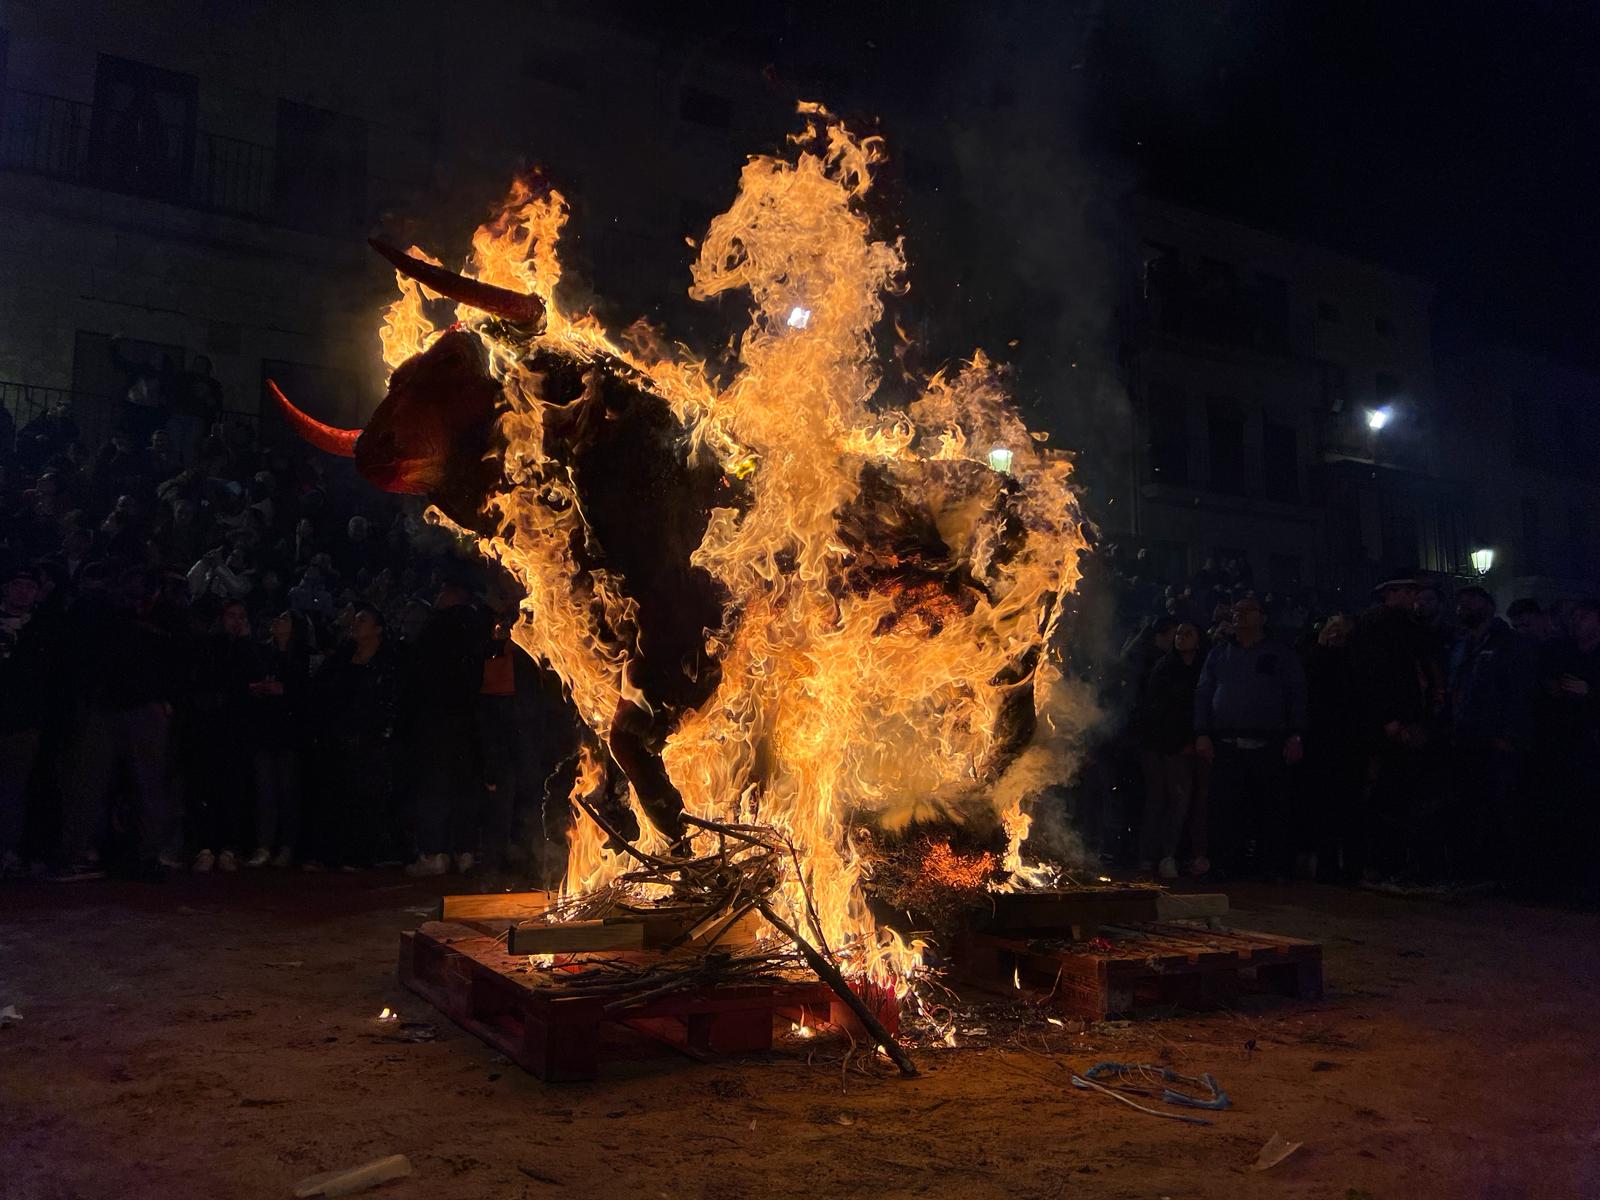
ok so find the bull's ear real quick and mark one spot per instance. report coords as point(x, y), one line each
point(516, 307)
point(324, 437)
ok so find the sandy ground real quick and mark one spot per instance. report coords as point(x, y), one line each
point(213, 1037)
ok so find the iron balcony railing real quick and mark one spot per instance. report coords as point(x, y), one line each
point(67, 139)
point(96, 416)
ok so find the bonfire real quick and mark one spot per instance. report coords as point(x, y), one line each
point(844, 616)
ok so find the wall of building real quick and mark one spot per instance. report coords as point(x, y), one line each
point(1521, 435)
point(1241, 342)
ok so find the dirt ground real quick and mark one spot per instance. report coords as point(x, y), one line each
point(214, 1037)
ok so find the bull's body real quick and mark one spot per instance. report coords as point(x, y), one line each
point(646, 502)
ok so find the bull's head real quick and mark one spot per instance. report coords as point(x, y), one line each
point(430, 434)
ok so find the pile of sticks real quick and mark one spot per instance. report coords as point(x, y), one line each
point(699, 897)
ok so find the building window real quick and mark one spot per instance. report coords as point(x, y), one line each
point(1529, 449)
point(1328, 311)
point(1271, 304)
point(1284, 571)
point(1280, 464)
point(1166, 287)
point(321, 179)
point(1225, 438)
point(1383, 327)
point(1532, 551)
point(706, 108)
point(1168, 435)
point(1335, 386)
point(1169, 560)
point(142, 131)
point(102, 378)
point(1578, 528)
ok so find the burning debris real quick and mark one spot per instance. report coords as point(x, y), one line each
point(784, 608)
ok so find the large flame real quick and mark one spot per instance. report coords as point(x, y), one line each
point(831, 711)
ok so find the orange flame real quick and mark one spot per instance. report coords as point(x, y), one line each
point(826, 714)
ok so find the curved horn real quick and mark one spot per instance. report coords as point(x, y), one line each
point(516, 307)
point(324, 437)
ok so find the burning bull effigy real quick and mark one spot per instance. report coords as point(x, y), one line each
point(779, 602)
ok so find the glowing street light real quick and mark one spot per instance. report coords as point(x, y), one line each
point(1377, 418)
point(1482, 560)
point(1000, 460)
point(799, 317)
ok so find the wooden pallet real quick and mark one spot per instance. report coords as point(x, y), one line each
point(468, 976)
point(1145, 965)
point(1078, 913)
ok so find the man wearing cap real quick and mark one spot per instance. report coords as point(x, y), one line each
point(1249, 711)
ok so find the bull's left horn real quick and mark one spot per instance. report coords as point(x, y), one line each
point(516, 307)
point(324, 437)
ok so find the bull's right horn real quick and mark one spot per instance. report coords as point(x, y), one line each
point(324, 437)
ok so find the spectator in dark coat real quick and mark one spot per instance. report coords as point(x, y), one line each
point(1176, 778)
point(1335, 773)
point(1396, 677)
point(1492, 680)
point(221, 774)
point(1249, 713)
point(447, 673)
point(277, 731)
point(357, 703)
point(25, 667)
point(1569, 741)
point(131, 662)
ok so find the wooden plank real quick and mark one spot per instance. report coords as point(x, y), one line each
point(1190, 906)
point(493, 906)
point(538, 937)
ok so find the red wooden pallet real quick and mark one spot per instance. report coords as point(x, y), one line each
point(468, 976)
point(1145, 965)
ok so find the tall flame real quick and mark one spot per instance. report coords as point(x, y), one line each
point(837, 705)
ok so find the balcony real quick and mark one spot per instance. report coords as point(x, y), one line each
point(95, 415)
point(72, 141)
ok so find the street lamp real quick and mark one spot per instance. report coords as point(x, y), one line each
point(1377, 418)
point(1000, 460)
point(1482, 560)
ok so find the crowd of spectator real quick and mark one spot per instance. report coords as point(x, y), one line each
point(208, 661)
point(213, 657)
point(1419, 739)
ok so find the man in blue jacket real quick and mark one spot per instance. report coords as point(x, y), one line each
point(1249, 711)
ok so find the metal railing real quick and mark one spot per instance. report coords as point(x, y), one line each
point(96, 416)
point(61, 139)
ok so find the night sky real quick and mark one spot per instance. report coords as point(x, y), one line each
point(1457, 141)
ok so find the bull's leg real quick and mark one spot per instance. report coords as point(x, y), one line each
point(630, 739)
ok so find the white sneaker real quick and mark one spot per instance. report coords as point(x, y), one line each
point(464, 863)
point(260, 858)
point(204, 861)
point(429, 864)
point(227, 861)
point(1200, 866)
point(282, 858)
point(1168, 868)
